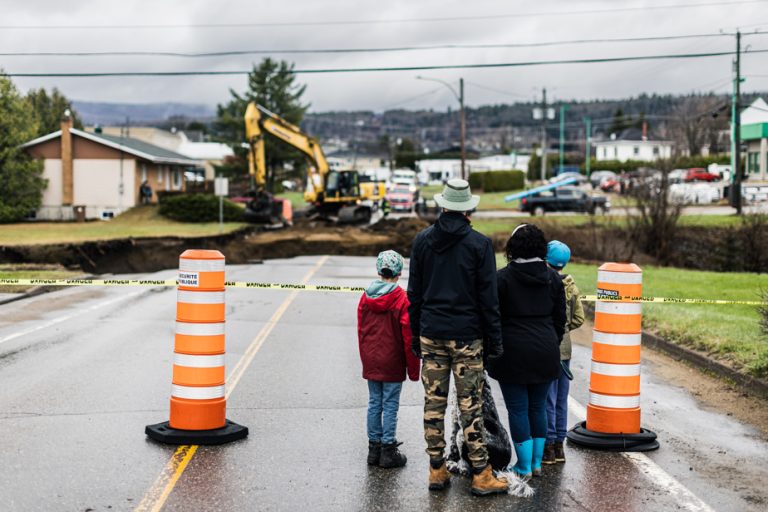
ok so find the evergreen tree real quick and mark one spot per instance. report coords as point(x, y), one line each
point(272, 85)
point(48, 109)
point(21, 181)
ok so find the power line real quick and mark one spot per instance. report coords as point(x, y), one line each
point(386, 49)
point(499, 91)
point(486, 17)
point(389, 69)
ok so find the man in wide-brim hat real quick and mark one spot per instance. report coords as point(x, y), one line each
point(454, 307)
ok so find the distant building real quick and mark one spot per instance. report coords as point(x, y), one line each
point(102, 173)
point(345, 160)
point(441, 170)
point(754, 131)
point(632, 144)
point(209, 154)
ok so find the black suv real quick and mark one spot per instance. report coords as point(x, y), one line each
point(564, 199)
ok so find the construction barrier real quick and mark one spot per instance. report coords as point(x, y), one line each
point(613, 411)
point(198, 403)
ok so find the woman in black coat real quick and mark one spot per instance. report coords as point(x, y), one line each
point(532, 306)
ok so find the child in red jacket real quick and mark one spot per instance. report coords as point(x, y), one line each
point(384, 336)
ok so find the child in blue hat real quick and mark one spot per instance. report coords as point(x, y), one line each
point(558, 255)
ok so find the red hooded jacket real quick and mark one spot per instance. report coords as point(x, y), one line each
point(384, 337)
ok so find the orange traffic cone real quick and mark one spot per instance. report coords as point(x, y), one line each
point(198, 403)
point(613, 412)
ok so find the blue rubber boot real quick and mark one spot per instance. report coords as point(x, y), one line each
point(538, 454)
point(524, 452)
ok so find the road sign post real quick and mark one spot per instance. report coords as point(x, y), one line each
point(221, 189)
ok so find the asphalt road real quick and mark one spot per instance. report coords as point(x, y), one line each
point(84, 370)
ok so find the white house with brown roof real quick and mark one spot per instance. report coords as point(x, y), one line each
point(102, 173)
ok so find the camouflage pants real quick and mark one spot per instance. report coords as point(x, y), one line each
point(465, 359)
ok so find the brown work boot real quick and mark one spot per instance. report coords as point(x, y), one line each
point(439, 478)
point(559, 452)
point(485, 483)
point(549, 454)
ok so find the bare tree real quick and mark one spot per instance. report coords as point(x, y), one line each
point(693, 125)
point(653, 227)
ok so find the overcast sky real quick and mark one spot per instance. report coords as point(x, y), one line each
point(379, 91)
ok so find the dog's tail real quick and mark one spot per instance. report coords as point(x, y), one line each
point(517, 486)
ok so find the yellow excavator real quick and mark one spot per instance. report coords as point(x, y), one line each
point(334, 195)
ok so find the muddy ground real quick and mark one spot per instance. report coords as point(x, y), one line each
point(135, 255)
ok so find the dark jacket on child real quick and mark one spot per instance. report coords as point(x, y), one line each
point(384, 336)
point(532, 306)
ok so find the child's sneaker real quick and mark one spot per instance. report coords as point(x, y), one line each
point(374, 453)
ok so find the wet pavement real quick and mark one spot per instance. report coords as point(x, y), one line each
point(84, 370)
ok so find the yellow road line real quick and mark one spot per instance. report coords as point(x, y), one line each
point(155, 498)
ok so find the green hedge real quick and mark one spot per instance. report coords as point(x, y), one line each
point(198, 208)
point(497, 181)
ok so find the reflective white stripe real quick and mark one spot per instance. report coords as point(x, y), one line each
point(195, 393)
point(606, 276)
point(614, 402)
point(618, 308)
point(616, 370)
point(191, 361)
point(621, 340)
point(201, 265)
point(187, 329)
point(200, 297)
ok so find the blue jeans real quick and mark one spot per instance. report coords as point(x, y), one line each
point(383, 403)
point(557, 407)
point(526, 409)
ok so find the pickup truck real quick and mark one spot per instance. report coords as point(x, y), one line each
point(564, 199)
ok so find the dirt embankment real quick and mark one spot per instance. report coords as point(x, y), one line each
point(152, 254)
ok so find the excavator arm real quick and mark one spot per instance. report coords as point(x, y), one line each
point(259, 120)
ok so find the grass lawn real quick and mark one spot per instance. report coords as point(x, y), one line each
point(10, 271)
point(296, 199)
point(142, 221)
point(489, 201)
point(728, 332)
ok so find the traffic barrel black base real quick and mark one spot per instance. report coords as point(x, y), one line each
point(645, 441)
point(163, 433)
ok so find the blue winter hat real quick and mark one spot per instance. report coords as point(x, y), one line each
point(558, 254)
point(391, 261)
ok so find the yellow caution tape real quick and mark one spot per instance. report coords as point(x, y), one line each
point(332, 288)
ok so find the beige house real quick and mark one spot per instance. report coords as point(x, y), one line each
point(208, 154)
point(101, 173)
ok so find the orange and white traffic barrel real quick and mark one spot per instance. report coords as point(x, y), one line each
point(198, 403)
point(613, 411)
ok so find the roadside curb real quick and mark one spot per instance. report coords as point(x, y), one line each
point(701, 361)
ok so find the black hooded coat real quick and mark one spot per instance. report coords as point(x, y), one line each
point(532, 306)
point(452, 283)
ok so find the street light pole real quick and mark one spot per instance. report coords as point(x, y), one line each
point(460, 97)
point(563, 108)
point(544, 134)
point(736, 142)
point(587, 146)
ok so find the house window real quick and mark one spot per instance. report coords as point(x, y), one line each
point(615, 152)
point(176, 179)
point(636, 150)
point(753, 163)
point(655, 150)
point(143, 172)
point(159, 174)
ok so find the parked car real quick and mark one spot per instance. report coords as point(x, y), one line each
point(580, 178)
point(564, 199)
point(677, 175)
point(700, 174)
point(596, 178)
point(401, 199)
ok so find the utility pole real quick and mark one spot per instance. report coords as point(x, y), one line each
point(463, 130)
point(563, 108)
point(588, 144)
point(736, 131)
point(544, 134)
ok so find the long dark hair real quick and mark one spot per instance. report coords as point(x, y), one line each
point(527, 241)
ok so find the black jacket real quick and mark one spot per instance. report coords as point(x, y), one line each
point(532, 306)
point(452, 283)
